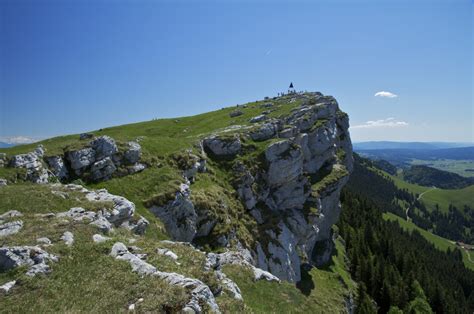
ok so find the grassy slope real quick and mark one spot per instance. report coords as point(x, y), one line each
point(443, 198)
point(321, 290)
point(86, 279)
point(440, 243)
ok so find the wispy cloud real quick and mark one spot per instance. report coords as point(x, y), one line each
point(385, 94)
point(382, 123)
point(268, 52)
point(19, 139)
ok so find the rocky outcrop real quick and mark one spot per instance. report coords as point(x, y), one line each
point(33, 257)
point(99, 161)
point(179, 216)
point(293, 191)
point(199, 292)
point(32, 162)
point(117, 211)
point(81, 159)
point(222, 146)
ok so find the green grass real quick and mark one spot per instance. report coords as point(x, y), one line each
point(439, 242)
point(164, 136)
point(321, 290)
point(442, 197)
point(87, 279)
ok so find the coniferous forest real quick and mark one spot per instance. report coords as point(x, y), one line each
point(400, 270)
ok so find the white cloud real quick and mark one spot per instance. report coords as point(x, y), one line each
point(385, 94)
point(19, 139)
point(382, 123)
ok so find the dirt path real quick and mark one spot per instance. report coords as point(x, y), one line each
point(419, 198)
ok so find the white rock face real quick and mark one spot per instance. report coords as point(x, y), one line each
point(179, 216)
point(58, 168)
point(315, 144)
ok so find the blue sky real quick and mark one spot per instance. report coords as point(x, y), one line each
point(72, 66)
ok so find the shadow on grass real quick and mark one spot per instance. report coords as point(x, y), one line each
point(307, 284)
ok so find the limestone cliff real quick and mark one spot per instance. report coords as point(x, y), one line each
point(288, 181)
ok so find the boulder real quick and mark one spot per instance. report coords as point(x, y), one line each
point(136, 168)
point(68, 238)
point(104, 146)
point(3, 160)
point(33, 257)
point(133, 153)
point(5, 288)
point(97, 238)
point(167, 253)
point(235, 113)
point(3, 182)
point(265, 132)
point(45, 241)
point(81, 159)
point(103, 224)
point(11, 214)
point(102, 169)
point(223, 146)
point(122, 209)
point(259, 118)
point(35, 171)
point(10, 228)
point(85, 136)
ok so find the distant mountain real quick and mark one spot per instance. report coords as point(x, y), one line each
point(5, 145)
point(407, 145)
point(427, 176)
